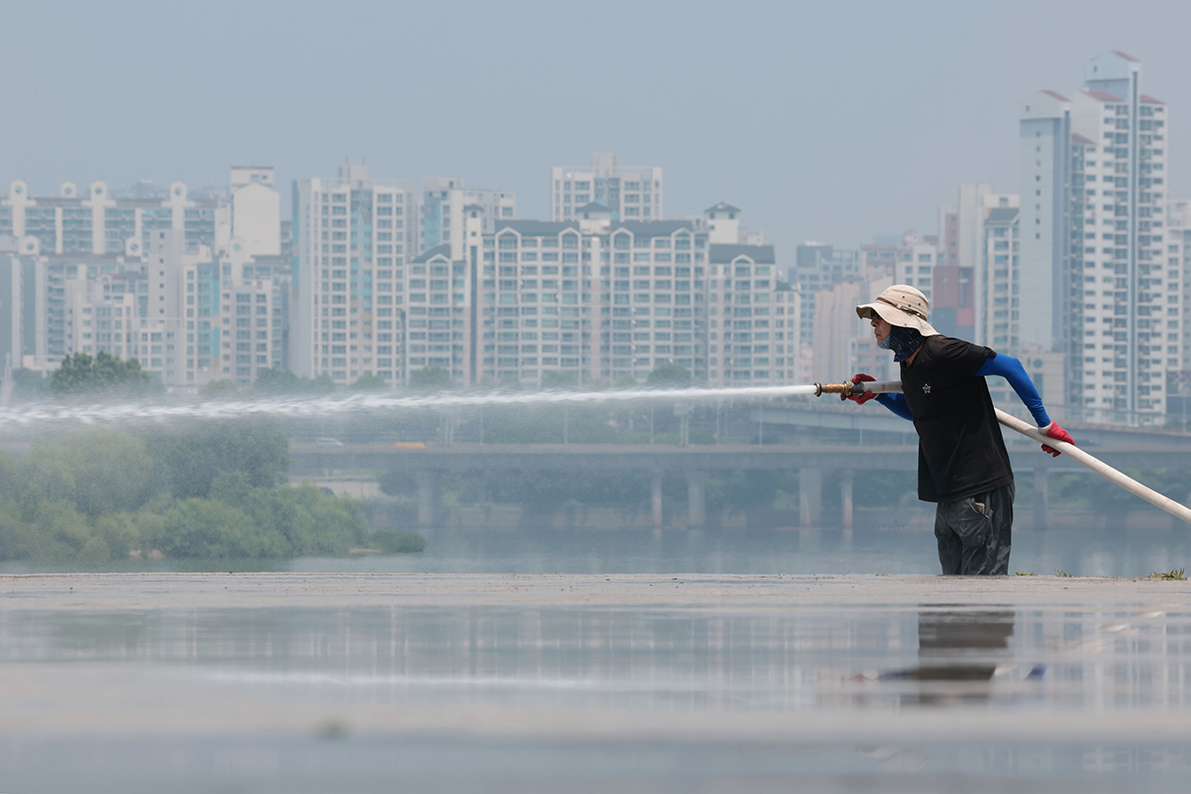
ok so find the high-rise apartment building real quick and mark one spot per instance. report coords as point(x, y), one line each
point(961, 267)
point(817, 267)
point(1178, 257)
point(41, 295)
point(959, 226)
point(630, 193)
point(189, 317)
point(595, 299)
point(837, 329)
point(1094, 282)
point(999, 277)
point(442, 212)
point(19, 307)
point(1044, 166)
point(96, 222)
point(915, 264)
point(353, 237)
point(166, 280)
point(755, 317)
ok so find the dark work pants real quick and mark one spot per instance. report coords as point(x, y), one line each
point(974, 534)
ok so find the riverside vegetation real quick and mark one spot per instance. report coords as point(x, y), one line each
point(186, 491)
point(209, 492)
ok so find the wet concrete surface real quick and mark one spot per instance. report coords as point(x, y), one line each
point(445, 682)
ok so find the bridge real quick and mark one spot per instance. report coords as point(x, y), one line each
point(1127, 449)
point(849, 423)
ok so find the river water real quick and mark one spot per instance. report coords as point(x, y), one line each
point(1080, 552)
point(1111, 551)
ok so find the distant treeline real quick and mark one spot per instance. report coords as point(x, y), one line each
point(209, 491)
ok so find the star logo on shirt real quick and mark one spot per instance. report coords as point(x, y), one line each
point(926, 388)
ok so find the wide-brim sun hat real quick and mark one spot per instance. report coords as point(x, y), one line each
point(900, 305)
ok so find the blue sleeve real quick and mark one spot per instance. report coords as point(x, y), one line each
point(1011, 370)
point(897, 403)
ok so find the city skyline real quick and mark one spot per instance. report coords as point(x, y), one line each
point(900, 134)
point(1075, 269)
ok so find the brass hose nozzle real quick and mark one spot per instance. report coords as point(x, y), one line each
point(847, 389)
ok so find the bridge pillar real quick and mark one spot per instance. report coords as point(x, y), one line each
point(1041, 496)
point(810, 497)
point(847, 478)
point(429, 497)
point(656, 483)
point(696, 498)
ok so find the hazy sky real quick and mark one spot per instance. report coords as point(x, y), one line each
point(831, 121)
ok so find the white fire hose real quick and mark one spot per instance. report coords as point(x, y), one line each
point(1029, 431)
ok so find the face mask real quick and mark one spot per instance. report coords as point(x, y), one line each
point(902, 341)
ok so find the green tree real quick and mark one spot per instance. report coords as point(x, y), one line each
point(209, 529)
point(99, 471)
point(671, 376)
point(625, 381)
point(105, 374)
point(16, 536)
point(311, 522)
point(338, 523)
point(64, 534)
point(190, 460)
point(120, 533)
point(56, 533)
point(397, 541)
point(430, 379)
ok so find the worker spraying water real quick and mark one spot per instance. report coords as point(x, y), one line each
point(963, 465)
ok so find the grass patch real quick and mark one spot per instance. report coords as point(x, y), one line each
point(1022, 573)
point(397, 541)
point(1175, 574)
point(1061, 572)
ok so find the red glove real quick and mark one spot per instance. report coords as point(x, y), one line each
point(1059, 434)
point(860, 399)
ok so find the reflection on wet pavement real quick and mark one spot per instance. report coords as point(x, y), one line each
point(745, 695)
point(957, 646)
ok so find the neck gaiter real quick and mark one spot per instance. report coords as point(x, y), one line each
point(902, 341)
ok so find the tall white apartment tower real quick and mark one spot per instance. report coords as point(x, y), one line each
point(1093, 278)
point(353, 236)
point(1178, 258)
point(630, 193)
point(1129, 308)
point(1044, 169)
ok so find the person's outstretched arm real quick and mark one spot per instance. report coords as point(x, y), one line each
point(1011, 370)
